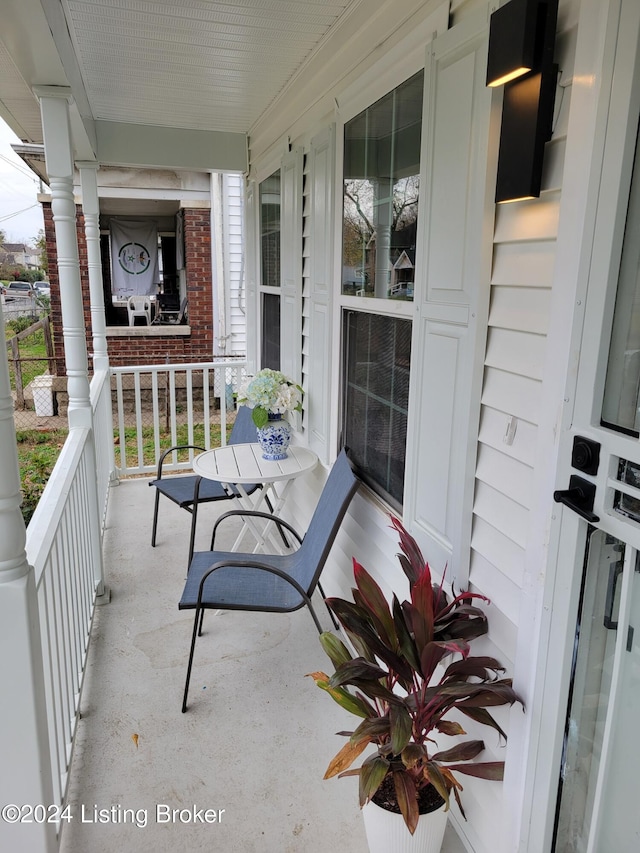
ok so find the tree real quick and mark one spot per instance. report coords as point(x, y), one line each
point(41, 245)
point(372, 206)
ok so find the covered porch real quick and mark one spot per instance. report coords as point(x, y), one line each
point(478, 391)
point(257, 737)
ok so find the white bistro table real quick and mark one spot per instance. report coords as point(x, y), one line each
point(238, 464)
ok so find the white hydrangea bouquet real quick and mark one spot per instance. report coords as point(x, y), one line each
point(270, 392)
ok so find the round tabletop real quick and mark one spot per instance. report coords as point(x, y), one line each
point(243, 463)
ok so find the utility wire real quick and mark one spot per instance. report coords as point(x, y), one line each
point(21, 169)
point(18, 212)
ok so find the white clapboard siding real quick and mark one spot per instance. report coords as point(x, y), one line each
point(523, 264)
point(499, 550)
point(512, 394)
point(516, 352)
point(506, 474)
point(523, 308)
point(505, 598)
point(521, 281)
point(511, 436)
point(501, 511)
point(233, 206)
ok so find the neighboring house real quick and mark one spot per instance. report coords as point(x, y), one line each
point(20, 254)
point(199, 260)
point(471, 407)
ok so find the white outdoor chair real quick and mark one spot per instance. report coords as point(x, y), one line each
point(139, 306)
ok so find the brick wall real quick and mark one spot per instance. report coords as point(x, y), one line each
point(198, 346)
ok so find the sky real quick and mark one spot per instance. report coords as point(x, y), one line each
point(20, 212)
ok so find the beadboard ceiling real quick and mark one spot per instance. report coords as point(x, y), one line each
point(200, 64)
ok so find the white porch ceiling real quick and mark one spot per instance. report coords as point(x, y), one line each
point(198, 64)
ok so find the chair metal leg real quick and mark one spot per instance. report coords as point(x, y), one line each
point(313, 614)
point(201, 621)
point(155, 519)
point(194, 519)
point(193, 647)
point(324, 598)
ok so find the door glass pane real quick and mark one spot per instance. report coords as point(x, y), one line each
point(620, 824)
point(622, 389)
point(590, 691)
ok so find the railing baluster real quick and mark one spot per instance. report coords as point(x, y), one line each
point(138, 410)
point(189, 388)
point(226, 375)
point(156, 413)
point(206, 407)
point(122, 443)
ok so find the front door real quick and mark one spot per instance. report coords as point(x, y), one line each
point(598, 809)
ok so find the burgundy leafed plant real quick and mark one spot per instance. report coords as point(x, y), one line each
point(393, 687)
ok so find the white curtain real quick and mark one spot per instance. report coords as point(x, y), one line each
point(134, 257)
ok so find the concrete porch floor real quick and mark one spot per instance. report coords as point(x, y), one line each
point(255, 741)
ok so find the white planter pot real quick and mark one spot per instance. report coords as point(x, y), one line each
point(388, 833)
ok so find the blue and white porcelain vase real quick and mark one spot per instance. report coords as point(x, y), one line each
point(274, 438)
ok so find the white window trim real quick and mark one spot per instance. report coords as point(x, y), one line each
point(376, 83)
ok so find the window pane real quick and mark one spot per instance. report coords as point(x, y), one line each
point(377, 358)
point(381, 188)
point(270, 230)
point(270, 331)
point(621, 406)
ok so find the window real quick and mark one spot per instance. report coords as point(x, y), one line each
point(380, 217)
point(270, 270)
point(381, 187)
point(376, 394)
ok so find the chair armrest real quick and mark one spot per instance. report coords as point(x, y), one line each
point(254, 514)
point(250, 564)
point(171, 450)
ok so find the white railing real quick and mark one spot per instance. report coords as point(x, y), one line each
point(163, 405)
point(103, 439)
point(61, 546)
point(169, 404)
point(61, 550)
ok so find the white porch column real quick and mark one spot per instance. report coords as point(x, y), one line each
point(382, 216)
point(91, 211)
point(25, 761)
point(58, 150)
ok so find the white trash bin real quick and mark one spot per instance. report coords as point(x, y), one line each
point(42, 387)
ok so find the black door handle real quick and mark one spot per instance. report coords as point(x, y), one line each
point(579, 497)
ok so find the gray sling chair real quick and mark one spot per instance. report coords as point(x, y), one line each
point(191, 490)
point(275, 583)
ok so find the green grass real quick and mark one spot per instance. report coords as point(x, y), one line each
point(148, 447)
point(37, 454)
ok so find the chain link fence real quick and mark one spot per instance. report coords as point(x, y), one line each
point(39, 400)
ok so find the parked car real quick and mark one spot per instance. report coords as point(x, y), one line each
point(20, 290)
point(43, 288)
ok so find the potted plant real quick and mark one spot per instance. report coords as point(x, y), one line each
point(413, 668)
point(271, 394)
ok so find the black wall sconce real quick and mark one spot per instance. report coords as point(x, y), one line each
point(521, 44)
